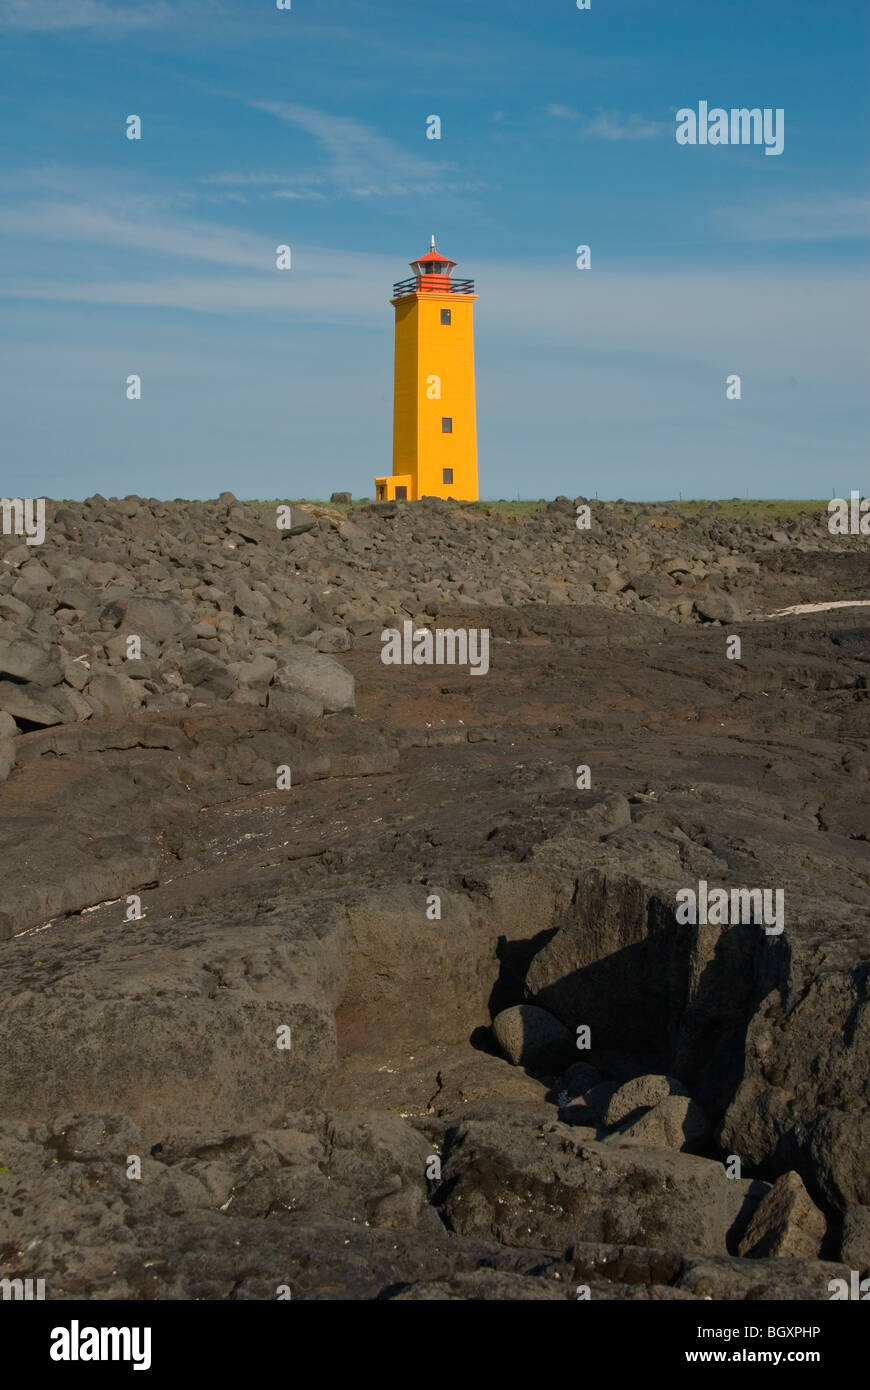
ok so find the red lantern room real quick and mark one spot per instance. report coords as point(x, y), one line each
point(432, 275)
point(433, 271)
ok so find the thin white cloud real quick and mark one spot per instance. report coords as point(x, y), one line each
point(362, 162)
point(764, 320)
point(256, 178)
point(299, 187)
point(222, 269)
point(611, 125)
point(140, 229)
point(326, 287)
point(45, 16)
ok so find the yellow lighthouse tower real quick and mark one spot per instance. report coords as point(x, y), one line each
point(434, 417)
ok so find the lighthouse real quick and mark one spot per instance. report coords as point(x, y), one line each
point(434, 415)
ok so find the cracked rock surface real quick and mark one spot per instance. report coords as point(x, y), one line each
point(423, 1023)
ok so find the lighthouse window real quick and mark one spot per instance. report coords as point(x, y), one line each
point(445, 315)
point(446, 424)
point(447, 475)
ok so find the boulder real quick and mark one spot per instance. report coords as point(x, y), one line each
point(675, 1122)
point(254, 674)
point(715, 605)
point(300, 522)
point(25, 661)
point(117, 694)
point(641, 1093)
point(14, 609)
point(250, 602)
point(317, 676)
point(530, 1037)
point(508, 1181)
point(8, 727)
point(161, 619)
point(207, 675)
point(35, 705)
point(72, 593)
point(33, 580)
point(295, 704)
point(334, 639)
point(787, 1222)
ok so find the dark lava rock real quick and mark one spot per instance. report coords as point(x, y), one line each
point(267, 903)
point(530, 1037)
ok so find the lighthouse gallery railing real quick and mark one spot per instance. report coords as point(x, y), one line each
point(413, 284)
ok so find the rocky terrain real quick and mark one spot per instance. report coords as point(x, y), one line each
point(337, 978)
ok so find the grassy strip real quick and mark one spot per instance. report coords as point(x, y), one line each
point(750, 511)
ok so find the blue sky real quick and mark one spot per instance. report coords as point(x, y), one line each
point(307, 127)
